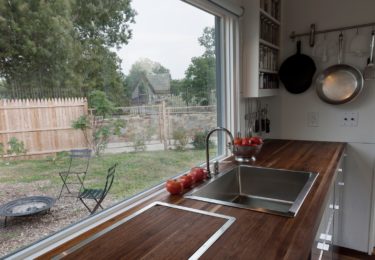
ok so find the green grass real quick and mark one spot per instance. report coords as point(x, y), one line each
point(9, 235)
point(135, 172)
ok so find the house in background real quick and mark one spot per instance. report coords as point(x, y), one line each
point(151, 89)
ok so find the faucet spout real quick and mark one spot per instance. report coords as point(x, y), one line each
point(208, 144)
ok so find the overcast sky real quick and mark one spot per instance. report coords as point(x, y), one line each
point(165, 31)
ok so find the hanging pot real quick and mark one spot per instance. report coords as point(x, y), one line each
point(297, 72)
point(340, 83)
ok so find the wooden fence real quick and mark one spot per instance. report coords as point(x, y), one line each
point(44, 125)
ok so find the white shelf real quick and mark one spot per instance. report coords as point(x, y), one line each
point(268, 44)
point(253, 43)
point(268, 16)
point(268, 71)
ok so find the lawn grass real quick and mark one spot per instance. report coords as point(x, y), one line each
point(135, 172)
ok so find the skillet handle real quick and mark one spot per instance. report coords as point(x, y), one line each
point(341, 38)
point(372, 47)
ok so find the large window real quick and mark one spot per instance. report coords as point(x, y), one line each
point(156, 78)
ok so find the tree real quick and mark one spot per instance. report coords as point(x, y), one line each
point(63, 46)
point(200, 76)
point(100, 70)
point(207, 40)
point(200, 79)
point(104, 22)
point(177, 86)
point(36, 47)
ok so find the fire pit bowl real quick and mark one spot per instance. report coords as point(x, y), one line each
point(26, 206)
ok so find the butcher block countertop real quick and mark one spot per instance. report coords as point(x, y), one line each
point(253, 235)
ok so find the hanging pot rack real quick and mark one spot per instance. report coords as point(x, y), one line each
point(314, 32)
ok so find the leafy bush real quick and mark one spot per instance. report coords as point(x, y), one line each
point(2, 150)
point(83, 122)
point(100, 137)
point(101, 128)
point(103, 106)
point(181, 139)
point(59, 156)
point(16, 147)
point(199, 140)
point(150, 131)
point(138, 141)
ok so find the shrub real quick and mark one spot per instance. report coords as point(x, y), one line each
point(16, 147)
point(2, 150)
point(83, 122)
point(199, 140)
point(150, 132)
point(101, 128)
point(59, 156)
point(138, 141)
point(181, 139)
point(103, 106)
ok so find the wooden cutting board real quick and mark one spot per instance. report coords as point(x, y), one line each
point(159, 231)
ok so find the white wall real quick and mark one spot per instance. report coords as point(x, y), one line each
point(293, 109)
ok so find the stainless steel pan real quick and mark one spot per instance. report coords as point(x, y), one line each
point(339, 83)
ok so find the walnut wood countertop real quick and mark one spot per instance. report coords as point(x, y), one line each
point(256, 235)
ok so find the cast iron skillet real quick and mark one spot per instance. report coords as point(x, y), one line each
point(297, 72)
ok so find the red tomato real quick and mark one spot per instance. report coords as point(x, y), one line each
point(198, 174)
point(186, 180)
point(238, 141)
point(192, 177)
point(174, 187)
point(256, 140)
point(205, 176)
point(246, 141)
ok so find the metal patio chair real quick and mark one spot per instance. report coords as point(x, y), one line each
point(74, 177)
point(98, 195)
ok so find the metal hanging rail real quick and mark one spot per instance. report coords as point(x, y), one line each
point(294, 35)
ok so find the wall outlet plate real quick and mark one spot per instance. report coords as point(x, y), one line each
point(313, 119)
point(349, 119)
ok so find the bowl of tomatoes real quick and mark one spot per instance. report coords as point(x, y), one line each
point(245, 149)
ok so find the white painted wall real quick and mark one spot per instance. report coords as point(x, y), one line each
point(293, 109)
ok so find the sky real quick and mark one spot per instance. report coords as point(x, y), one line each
point(165, 31)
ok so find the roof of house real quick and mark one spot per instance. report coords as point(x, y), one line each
point(160, 83)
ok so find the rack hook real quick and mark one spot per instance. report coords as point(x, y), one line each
point(312, 35)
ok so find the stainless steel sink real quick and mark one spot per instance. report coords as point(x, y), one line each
point(275, 191)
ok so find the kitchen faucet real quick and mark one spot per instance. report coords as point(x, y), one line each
point(208, 142)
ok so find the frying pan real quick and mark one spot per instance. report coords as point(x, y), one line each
point(339, 83)
point(297, 72)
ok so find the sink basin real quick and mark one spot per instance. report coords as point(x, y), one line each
point(274, 191)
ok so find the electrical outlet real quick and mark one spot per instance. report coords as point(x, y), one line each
point(349, 119)
point(313, 119)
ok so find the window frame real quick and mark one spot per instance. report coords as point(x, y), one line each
point(228, 73)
